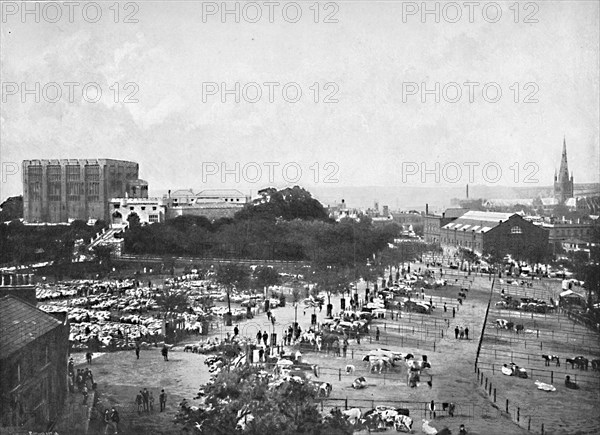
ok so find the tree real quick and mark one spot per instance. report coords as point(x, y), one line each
point(241, 394)
point(232, 275)
point(170, 301)
point(265, 276)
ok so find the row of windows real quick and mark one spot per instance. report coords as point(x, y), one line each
point(132, 208)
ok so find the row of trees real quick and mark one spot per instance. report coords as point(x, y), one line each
point(22, 243)
point(283, 225)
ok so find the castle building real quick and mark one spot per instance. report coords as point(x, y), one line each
point(62, 190)
point(563, 184)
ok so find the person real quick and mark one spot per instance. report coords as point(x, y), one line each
point(273, 320)
point(265, 337)
point(114, 416)
point(137, 350)
point(145, 399)
point(236, 331)
point(258, 337)
point(345, 346)
point(467, 332)
point(462, 333)
point(165, 352)
point(261, 354)
point(139, 401)
point(151, 401)
point(456, 331)
point(88, 357)
point(85, 394)
point(453, 312)
point(445, 307)
point(377, 334)
point(462, 430)
point(431, 407)
point(108, 423)
point(71, 366)
point(163, 400)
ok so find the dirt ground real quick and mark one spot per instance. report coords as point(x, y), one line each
point(452, 376)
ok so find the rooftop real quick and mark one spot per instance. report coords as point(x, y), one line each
point(478, 221)
point(20, 324)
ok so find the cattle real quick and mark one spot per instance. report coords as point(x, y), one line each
point(324, 389)
point(596, 364)
point(359, 383)
point(350, 369)
point(353, 415)
point(501, 323)
point(371, 419)
point(427, 429)
point(402, 422)
point(548, 358)
point(519, 328)
point(379, 365)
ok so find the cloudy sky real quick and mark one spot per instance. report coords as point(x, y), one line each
point(370, 124)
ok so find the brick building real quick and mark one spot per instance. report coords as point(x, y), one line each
point(487, 232)
point(59, 190)
point(33, 366)
point(432, 223)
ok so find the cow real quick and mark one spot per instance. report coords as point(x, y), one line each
point(371, 419)
point(501, 323)
point(359, 383)
point(353, 415)
point(350, 369)
point(548, 358)
point(427, 429)
point(403, 422)
point(324, 389)
point(519, 328)
point(378, 365)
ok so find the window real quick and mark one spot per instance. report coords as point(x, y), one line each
point(154, 208)
point(117, 205)
point(153, 218)
point(515, 230)
point(53, 173)
point(143, 208)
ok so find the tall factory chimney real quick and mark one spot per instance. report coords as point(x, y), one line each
point(467, 191)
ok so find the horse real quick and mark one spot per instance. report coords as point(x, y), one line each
point(579, 361)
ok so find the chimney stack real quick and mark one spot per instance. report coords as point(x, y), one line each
point(426, 208)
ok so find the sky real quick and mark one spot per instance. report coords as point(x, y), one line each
point(362, 118)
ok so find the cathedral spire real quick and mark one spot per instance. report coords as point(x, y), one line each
point(563, 184)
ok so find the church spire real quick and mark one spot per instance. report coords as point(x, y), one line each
point(563, 173)
point(563, 185)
